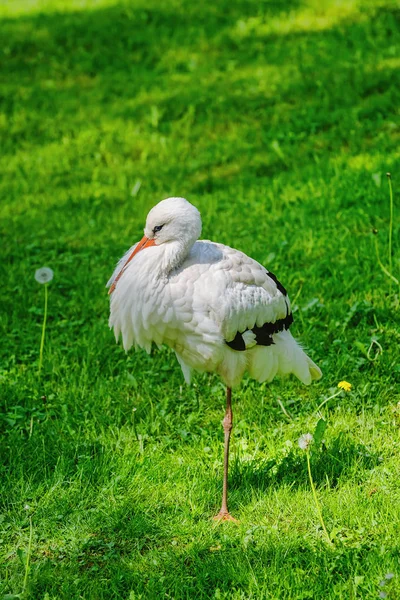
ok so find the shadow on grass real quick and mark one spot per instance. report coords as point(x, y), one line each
point(341, 460)
point(214, 566)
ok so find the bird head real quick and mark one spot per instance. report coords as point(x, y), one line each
point(172, 221)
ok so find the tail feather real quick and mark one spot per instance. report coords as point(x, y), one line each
point(315, 371)
point(285, 356)
point(263, 363)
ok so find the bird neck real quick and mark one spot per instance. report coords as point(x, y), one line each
point(175, 253)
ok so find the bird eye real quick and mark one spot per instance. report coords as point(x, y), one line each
point(157, 228)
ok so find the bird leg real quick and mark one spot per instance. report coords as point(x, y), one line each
point(223, 514)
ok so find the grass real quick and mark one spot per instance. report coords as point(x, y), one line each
point(279, 121)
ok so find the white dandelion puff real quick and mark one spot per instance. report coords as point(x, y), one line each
point(305, 441)
point(44, 275)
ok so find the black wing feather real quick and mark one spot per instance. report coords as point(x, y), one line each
point(263, 334)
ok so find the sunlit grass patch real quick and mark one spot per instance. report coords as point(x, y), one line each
point(315, 16)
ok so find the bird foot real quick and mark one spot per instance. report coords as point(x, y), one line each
point(225, 516)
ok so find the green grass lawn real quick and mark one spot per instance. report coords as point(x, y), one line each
point(278, 120)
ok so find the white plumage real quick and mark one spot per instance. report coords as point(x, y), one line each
point(220, 310)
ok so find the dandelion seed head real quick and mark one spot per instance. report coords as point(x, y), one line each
point(345, 385)
point(305, 441)
point(382, 595)
point(44, 275)
point(389, 575)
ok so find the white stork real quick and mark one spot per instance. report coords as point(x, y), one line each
point(220, 310)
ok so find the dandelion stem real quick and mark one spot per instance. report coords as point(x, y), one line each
point(327, 400)
point(43, 328)
point(390, 222)
point(28, 556)
point(384, 269)
point(321, 520)
point(285, 412)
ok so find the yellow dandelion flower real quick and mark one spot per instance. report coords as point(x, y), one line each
point(344, 385)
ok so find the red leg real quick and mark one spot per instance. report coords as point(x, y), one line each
point(223, 514)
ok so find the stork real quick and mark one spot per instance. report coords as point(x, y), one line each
point(218, 309)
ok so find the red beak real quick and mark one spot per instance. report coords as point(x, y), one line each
point(145, 242)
